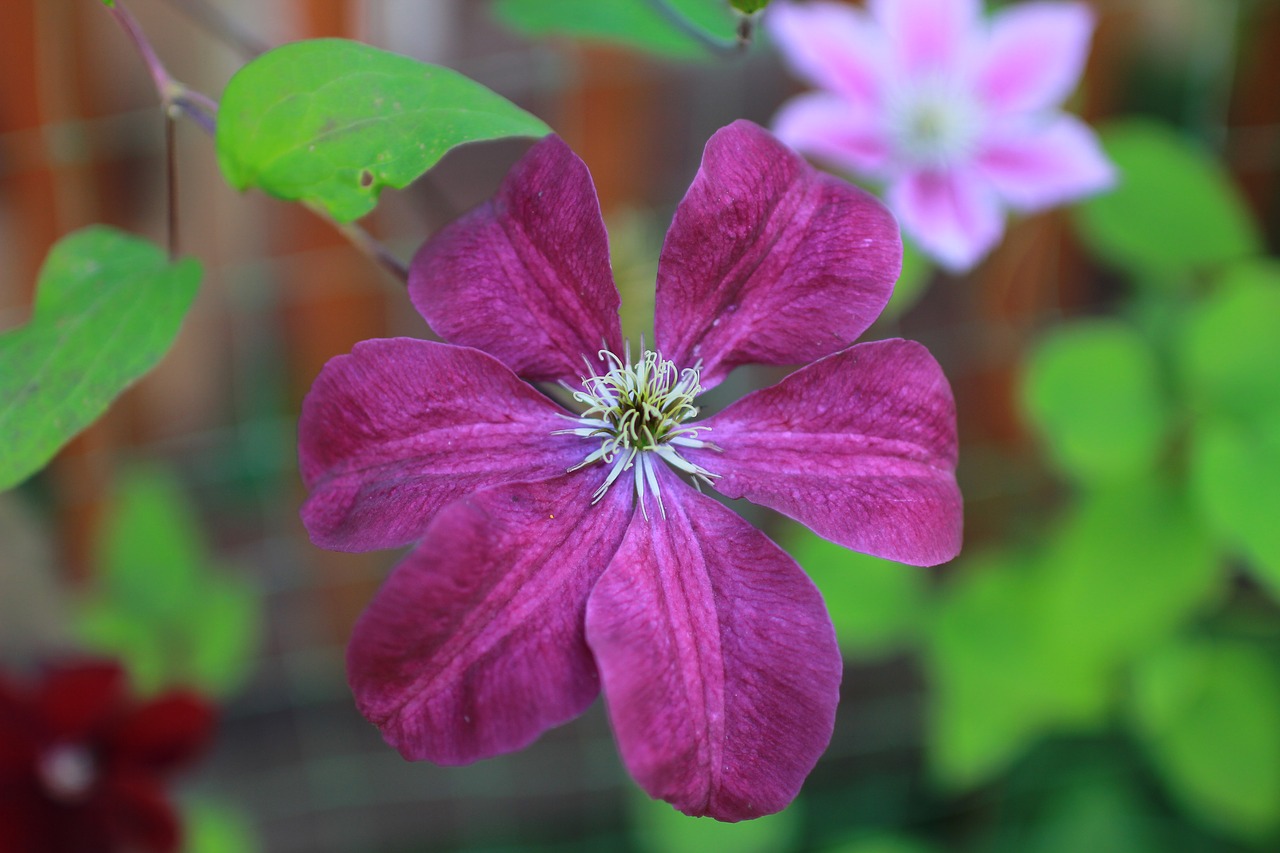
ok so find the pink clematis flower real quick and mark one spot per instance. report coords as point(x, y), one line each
point(563, 550)
point(956, 115)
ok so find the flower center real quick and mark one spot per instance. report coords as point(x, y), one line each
point(67, 771)
point(934, 123)
point(637, 410)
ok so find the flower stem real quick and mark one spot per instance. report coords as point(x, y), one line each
point(177, 99)
point(720, 47)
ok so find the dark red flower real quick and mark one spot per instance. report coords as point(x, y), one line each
point(83, 764)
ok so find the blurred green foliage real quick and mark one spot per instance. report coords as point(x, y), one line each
point(212, 828)
point(162, 604)
point(1102, 636)
point(1093, 390)
point(658, 828)
point(634, 23)
point(1174, 211)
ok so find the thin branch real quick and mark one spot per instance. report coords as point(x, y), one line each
point(178, 99)
point(173, 95)
point(368, 244)
point(720, 47)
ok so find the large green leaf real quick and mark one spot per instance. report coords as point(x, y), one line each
point(1209, 714)
point(331, 122)
point(1235, 477)
point(1174, 212)
point(107, 308)
point(1092, 389)
point(876, 605)
point(1126, 568)
point(1231, 349)
point(634, 23)
point(1000, 678)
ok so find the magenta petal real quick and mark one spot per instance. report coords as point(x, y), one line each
point(1037, 166)
point(475, 646)
point(718, 660)
point(768, 260)
point(833, 46)
point(829, 127)
point(860, 446)
point(397, 429)
point(525, 276)
point(954, 216)
point(1034, 56)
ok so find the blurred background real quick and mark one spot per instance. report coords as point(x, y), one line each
point(1099, 670)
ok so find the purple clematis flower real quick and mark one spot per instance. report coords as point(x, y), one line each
point(562, 549)
point(958, 116)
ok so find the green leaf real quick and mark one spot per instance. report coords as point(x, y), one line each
point(331, 122)
point(1092, 390)
point(1126, 568)
point(1095, 814)
point(658, 828)
point(748, 7)
point(1209, 715)
point(152, 549)
point(881, 843)
point(1001, 680)
point(105, 627)
point(1235, 478)
point(633, 23)
point(223, 634)
point(1174, 212)
point(876, 605)
point(107, 308)
point(1231, 350)
point(162, 605)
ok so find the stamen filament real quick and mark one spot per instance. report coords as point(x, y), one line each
point(637, 410)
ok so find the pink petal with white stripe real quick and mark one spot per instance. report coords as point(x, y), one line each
point(929, 35)
point(1037, 166)
point(833, 46)
point(953, 216)
point(829, 128)
point(1034, 55)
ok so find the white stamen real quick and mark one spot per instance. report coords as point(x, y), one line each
point(68, 771)
point(637, 410)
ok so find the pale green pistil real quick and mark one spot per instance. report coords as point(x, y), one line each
point(933, 122)
point(637, 410)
